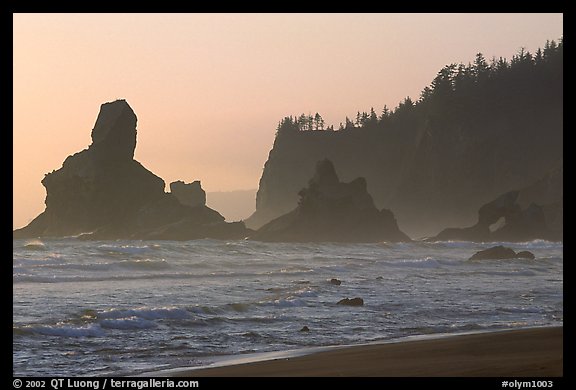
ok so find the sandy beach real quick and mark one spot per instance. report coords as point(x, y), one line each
point(536, 352)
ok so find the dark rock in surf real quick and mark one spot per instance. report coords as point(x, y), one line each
point(496, 252)
point(335, 281)
point(525, 255)
point(103, 193)
point(333, 211)
point(305, 329)
point(351, 302)
point(501, 253)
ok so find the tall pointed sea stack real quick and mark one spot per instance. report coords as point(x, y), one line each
point(102, 190)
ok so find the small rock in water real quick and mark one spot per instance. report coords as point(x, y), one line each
point(525, 255)
point(379, 278)
point(336, 281)
point(305, 329)
point(351, 302)
point(501, 252)
point(496, 252)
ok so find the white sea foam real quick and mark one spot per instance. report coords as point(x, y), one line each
point(35, 245)
point(127, 323)
point(61, 330)
point(452, 244)
point(104, 277)
point(534, 244)
point(289, 302)
point(126, 249)
point(145, 313)
point(427, 262)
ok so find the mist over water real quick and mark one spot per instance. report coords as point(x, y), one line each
point(125, 307)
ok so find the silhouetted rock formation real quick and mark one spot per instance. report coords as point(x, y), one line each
point(335, 281)
point(351, 302)
point(190, 194)
point(101, 185)
point(114, 134)
point(330, 210)
point(103, 192)
point(514, 216)
point(501, 253)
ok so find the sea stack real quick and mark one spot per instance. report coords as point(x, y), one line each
point(513, 216)
point(330, 210)
point(103, 193)
point(99, 186)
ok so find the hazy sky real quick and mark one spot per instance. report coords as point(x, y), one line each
point(209, 89)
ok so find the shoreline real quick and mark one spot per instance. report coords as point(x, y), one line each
point(524, 352)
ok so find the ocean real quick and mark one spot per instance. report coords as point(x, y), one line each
point(112, 308)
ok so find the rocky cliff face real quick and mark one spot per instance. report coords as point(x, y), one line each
point(478, 131)
point(330, 210)
point(102, 190)
point(431, 173)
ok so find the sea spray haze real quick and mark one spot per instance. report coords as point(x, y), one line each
point(124, 307)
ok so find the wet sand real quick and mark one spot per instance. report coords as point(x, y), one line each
point(535, 352)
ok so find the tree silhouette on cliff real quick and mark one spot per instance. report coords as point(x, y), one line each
point(459, 91)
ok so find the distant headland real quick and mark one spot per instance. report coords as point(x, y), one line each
point(478, 131)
